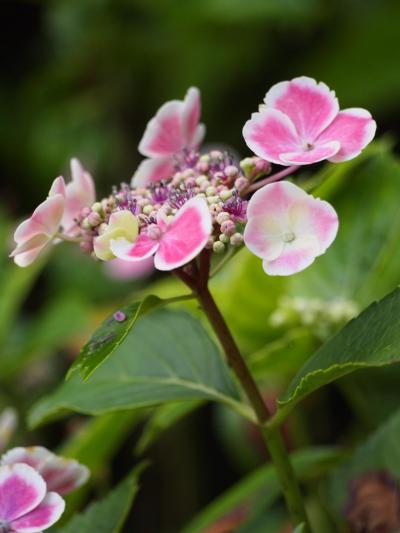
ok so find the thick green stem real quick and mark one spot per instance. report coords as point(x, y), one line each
point(272, 437)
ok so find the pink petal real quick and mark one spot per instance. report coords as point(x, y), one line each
point(354, 129)
point(63, 475)
point(190, 117)
point(143, 247)
point(275, 198)
point(263, 236)
point(186, 236)
point(318, 153)
point(311, 106)
point(21, 490)
point(34, 456)
point(45, 219)
point(164, 133)
point(124, 270)
point(315, 218)
point(80, 193)
point(26, 252)
point(42, 517)
point(57, 187)
point(152, 170)
point(270, 133)
point(296, 257)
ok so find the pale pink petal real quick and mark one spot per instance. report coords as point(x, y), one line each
point(270, 133)
point(152, 170)
point(164, 133)
point(274, 198)
point(143, 247)
point(63, 475)
point(186, 236)
point(316, 218)
point(263, 236)
point(354, 129)
point(80, 193)
point(190, 118)
point(123, 270)
point(295, 257)
point(42, 517)
point(34, 456)
point(307, 157)
point(21, 490)
point(198, 136)
point(57, 187)
point(26, 252)
point(49, 214)
point(311, 106)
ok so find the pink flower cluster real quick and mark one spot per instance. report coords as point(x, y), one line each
point(32, 483)
point(181, 202)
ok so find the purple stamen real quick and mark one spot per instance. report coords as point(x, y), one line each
point(177, 197)
point(236, 207)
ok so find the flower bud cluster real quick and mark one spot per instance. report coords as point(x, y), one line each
point(212, 176)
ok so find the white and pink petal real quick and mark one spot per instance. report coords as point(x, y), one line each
point(313, 154)
point(142, 248)
point(47, 513)
point(153, 170)
point(164, 133)
point(353, 128)
point(295, 257)
point(186, 236)
point(311, 106)
point(21, 490)
point(271, 133)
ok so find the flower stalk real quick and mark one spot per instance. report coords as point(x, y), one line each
point(197, 280)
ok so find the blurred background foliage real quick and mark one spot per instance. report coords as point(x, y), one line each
point(81, 78)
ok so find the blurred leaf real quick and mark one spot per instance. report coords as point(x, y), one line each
point(380, 452)
point(167, 357)
point(62, 320)
point(370, 340)
point(15, 284)
point(112, 332)
point(109, 514)
point(300, 528)
point(162, 419)
point(261, 487)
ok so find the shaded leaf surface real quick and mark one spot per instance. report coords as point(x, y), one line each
point(370, 340)
point(167, 357)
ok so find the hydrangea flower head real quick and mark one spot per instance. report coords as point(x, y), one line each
point(288, 228)
point(26, 506)
point(174, 128)
point(301, 124)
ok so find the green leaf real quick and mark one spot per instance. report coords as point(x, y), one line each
point(162, 419)
point(380, 452)
point(370, 340)
point(300, 528)
point(112, 333)
point(167, 357)
point(109, 514)
point(94, 445)
point(261, 487)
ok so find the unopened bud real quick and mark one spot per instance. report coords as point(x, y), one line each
point(228, 227)
point(218, 247)
point(236, 239)
point(223, 217)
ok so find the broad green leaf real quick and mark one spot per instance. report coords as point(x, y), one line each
point(261, 487)
point(94, 445)
point(167, 357)
point(112, 333)
point(370, 340)
point(379, 453)
point(109, 514)
point(300, 528)
point(162, 419)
